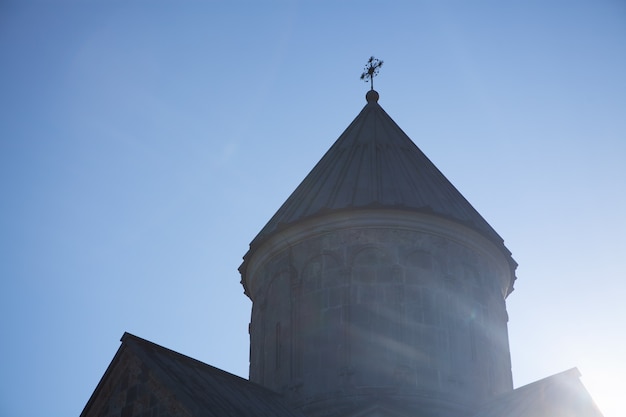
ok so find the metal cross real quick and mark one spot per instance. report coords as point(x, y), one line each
point(371, 70)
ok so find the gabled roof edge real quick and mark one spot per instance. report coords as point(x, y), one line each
point(105, 376)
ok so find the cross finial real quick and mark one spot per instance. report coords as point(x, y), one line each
point(371, 70)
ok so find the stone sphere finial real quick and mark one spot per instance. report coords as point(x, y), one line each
point(372, 96)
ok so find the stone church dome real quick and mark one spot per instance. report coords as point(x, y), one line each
point(374, 164)
point(377, 278)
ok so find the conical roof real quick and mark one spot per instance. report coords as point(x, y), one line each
point(374, 164)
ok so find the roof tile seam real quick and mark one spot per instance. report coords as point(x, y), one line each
point(405, 161)
point(356, 125)
point(363, 149)
point(379, 145)
point(395, 168)
point(401, 168)
point(343, 169)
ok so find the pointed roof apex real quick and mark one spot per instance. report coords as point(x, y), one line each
point(375, 165)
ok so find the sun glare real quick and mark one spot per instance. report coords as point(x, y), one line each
point(607, 394)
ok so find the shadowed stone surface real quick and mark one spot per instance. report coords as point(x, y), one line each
point(381, 302)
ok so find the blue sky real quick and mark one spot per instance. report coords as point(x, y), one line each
point(144, 144)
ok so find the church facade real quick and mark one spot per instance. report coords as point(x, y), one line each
point(377, 290)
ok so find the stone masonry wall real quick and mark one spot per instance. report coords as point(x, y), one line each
point(348, 311)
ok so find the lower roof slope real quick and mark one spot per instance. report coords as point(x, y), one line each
point(203, 389)
point(559, 395)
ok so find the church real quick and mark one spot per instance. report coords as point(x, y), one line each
point(377, 291)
